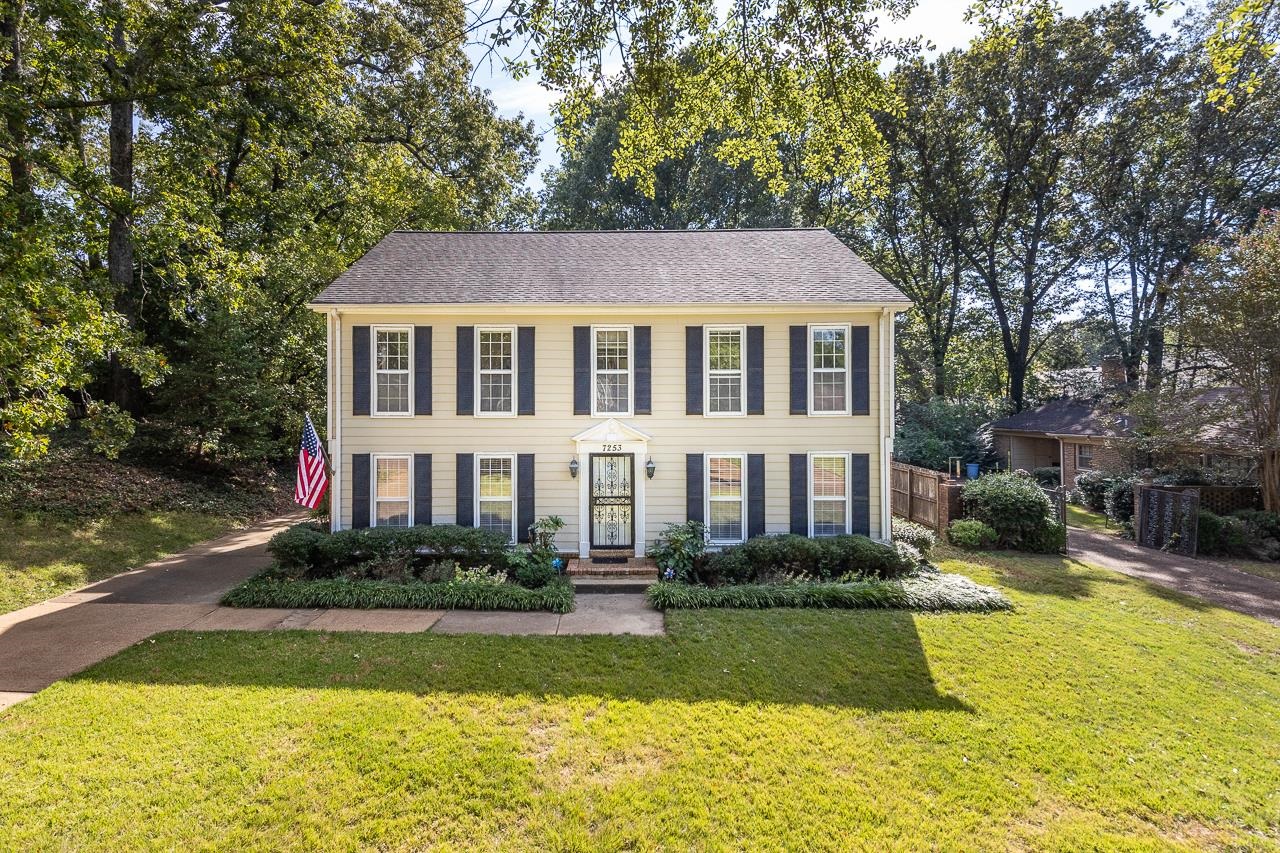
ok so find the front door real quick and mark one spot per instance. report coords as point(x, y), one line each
point(612, 500)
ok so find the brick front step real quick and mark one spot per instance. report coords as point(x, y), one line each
point(633, 567)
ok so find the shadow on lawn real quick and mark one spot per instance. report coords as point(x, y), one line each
point(861, 659)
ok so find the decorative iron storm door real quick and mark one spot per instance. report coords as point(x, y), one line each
point(612, 500)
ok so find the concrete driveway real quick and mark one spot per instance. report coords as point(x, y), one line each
point(1213, 582)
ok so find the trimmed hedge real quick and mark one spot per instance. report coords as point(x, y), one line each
point(310, 551)
point(268, 589)
point(788, 556)
point(930, 591)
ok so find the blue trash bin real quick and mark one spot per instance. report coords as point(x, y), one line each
point(971, 470)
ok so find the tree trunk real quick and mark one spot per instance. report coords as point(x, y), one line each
point(11, 75)
point(125, 387)
point(1270, 478)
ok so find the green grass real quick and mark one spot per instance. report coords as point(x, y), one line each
point(1078, 516)
point(1101, 713)
point(1261, 568)
point(268, 590)
point(42, 556)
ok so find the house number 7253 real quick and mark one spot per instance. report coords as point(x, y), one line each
point(613, 448)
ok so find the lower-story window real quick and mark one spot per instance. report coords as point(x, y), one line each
point(1084, 457)
point(495, 496)
point(391, 491)
point(726, 503)
point(829, 494)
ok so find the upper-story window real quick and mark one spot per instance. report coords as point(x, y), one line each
point(724, 348)
point(495, 374)
point(829, 370)
point(392, 357)
point(611, 370)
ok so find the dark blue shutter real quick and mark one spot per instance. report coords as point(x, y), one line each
point(422, 370)
point(359, 370)
point(644, 372)
point(525, 348)
point(755, 370)
point(582, 370)
point(755, 494)
point(800, 494)
point(524, 497)
point(421, 488)
point(799, 370)
point(360, 489)
point(693, 467)
point(466, 367)
point(465, 491)
point(860, 372)
point(693, 370)
point(860, 493)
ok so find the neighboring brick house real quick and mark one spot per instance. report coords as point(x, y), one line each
point(1072, 435)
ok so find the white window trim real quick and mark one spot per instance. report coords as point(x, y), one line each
point(848, 369)
point(1083, 446)
point(515, 489)
point(631, 371)
point(373, 371)
point(515, 367)
point(848, 497)
point(707, 499)
point(706, 372)
point(373, 485)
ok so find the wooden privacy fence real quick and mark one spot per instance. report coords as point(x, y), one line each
point(923, 495)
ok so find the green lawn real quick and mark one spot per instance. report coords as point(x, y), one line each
point(1078, 516)
point(1101, 713)
point(41, 557)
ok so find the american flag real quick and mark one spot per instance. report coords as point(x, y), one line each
point(312, 477)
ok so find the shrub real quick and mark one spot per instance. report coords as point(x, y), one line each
point(305, 550)
point(679, 549)
point(916, 535)
point(268, 589)
point(971, 534)
point(771, 558)
point(926, 591)
point(534, 575)
point(298, 548)
point(1118, 502)
point(1012, 505)
point(1092, 486)
point(1049, 477)
point(1266, 523)
point(1221, 535)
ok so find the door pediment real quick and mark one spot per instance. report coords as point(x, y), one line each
point(611, 431)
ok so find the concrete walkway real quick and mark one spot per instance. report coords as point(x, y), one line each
point(1206, 579)
point(59, 637)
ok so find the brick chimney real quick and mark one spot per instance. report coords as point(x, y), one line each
point(1112, 373)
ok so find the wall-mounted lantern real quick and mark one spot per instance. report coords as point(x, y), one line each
point(650, 468)
point(573, 468)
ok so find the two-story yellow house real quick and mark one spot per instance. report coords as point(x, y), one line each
point(619, 380)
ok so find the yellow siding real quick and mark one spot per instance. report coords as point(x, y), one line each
point(548, 434)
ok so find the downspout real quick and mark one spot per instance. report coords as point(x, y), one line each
point(335, 450)
point(887, 371)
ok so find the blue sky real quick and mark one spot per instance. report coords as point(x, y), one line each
point(939, 21)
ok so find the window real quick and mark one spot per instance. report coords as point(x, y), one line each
point(392, 385)
point(391, 491)
point(829, 494)
point(1084, 456)
point(495, 376)
point(724, 371)
point(726, 505)
point(611, 371)
point(495, 497)
point(829, 370)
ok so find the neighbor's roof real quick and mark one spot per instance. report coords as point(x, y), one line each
point(1067, 416)
point(766, 266)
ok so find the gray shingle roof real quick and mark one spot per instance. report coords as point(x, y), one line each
point(765, 266)
point(1065, 417)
